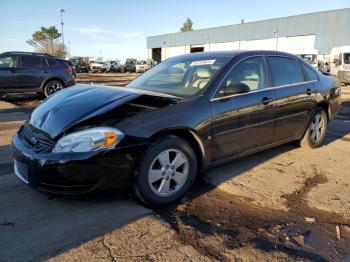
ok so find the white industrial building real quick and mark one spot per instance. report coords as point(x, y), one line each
point(319, 31)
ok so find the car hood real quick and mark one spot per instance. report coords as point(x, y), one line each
point(76, 104)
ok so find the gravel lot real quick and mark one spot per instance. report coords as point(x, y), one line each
point(284, 204)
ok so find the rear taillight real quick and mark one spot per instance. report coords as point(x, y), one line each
point(68, 70)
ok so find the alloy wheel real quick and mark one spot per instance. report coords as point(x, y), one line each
point(168, 172)
point(53, 87)
point(317, 128)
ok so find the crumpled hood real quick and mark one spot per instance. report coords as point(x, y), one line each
point(76, 104)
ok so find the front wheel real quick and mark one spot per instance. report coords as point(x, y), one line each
point(52, 87)
point(166, 172)
point(316, 130)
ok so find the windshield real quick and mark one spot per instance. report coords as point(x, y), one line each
point(183, 76)
point(312, 59)
point(141, 62)
point(347, 58)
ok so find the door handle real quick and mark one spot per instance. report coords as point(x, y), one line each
point(308, 91)
point(45, 71)
point(266, 100)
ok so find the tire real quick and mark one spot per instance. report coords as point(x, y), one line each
point(168, 183)
point(52, 87)
point(313, 138)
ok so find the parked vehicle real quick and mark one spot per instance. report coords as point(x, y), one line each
point(184, 115)
point(99, 66)
point(22, 72)
point(340, 63)
point(82, 68)
point(72, 66)
point(130, 65)
point(80, 64)
point(114, 67)
point(309, 55)
point(323, 64)
point(143, 65)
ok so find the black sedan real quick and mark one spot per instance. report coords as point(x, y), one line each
point(184, 115)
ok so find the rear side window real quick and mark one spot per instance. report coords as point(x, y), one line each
point(284, 71)
point(31, 61)
point(310, 74)
point(51, 61)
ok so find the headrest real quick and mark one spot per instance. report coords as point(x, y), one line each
point(203, 72)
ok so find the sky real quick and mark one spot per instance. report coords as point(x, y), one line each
point(118, 29)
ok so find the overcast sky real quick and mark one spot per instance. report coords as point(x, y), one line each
point(119, 28)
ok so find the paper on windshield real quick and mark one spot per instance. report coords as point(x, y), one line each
point(203, 62)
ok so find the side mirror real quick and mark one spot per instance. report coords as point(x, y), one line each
point(234, 89)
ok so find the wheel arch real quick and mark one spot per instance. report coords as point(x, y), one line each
point(190, 136)
point(324, 105)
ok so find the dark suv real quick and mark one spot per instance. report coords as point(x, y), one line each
point(33, 72)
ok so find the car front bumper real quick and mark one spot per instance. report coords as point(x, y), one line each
point(74, 173)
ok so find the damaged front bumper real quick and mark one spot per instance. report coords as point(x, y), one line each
point(74, 173)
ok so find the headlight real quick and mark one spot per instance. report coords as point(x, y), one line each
point(89, 140)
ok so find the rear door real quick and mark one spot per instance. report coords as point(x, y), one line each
point(295, 96)
point(33, 72)
point(243, 122)
point(9, 80)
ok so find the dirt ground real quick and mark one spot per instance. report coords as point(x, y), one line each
point(284, 204)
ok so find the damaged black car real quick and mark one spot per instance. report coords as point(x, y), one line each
point(181, 117)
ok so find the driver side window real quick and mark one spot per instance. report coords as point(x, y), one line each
point(250, 73)
point(8, 61)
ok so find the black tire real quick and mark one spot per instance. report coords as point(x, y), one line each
point(142, 187)
point(307, 141)
point(49, 88)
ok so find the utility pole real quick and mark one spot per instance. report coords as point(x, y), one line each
point(62, 11)
point(69, 49)
point(275, 31)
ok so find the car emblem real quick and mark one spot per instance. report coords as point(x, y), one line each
point(33, 140)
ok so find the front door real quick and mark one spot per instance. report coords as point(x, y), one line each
point(243, 122)
point(9, 80)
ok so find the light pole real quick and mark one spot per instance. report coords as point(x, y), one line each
point(62, 11)
point(69, 49)
point(275, 31)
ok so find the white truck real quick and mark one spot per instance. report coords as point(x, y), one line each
point(340, 63)
point(144, 65)
point(100, 66)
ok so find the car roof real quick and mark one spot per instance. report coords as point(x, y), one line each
point(204, 55)
point(26, 53)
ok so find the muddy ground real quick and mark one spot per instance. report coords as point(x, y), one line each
point(284, 204)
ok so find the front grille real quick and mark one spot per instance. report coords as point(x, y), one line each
point(39, 140)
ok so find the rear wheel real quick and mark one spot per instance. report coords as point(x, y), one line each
point(316, 131)
point(52, 87)
point(166, 172)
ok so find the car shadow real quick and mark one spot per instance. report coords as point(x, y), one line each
point(339, 127)
point(35, 226)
